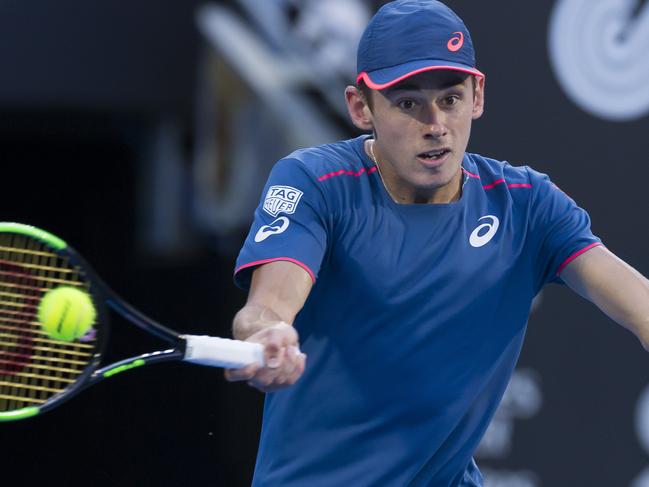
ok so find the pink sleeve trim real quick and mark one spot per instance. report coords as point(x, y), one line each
point(575, 255)
point(274, 259)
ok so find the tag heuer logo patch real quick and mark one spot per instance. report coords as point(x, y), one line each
point(282, 199)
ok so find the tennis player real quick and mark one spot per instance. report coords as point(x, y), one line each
point(405, 267)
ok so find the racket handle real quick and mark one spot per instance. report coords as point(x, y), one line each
point(222, 352)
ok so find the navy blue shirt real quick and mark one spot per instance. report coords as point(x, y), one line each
point(416, 317)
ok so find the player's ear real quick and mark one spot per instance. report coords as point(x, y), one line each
point(359, 110)
point(478, 97)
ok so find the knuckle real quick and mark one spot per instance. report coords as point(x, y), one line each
point(232, 376)
point(264, 380)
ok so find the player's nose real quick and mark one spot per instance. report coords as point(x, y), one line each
point(433, 122)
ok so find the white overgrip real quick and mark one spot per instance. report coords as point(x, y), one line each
point(222, 352)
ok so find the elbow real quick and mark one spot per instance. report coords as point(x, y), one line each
point(642, 334)
point(645, 344)
point(640, 328)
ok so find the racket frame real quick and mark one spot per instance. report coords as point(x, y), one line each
point(103, 298)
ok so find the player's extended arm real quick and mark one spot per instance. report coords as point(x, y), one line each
point(278, 291)
point(614, 287)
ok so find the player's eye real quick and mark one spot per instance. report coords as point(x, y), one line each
point(406, 104)
point(451, 100)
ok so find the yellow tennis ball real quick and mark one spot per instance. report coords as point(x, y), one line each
point(66, 313)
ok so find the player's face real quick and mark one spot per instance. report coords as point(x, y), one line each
point(422, 127)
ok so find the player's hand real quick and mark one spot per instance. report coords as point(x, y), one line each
point(284, 363)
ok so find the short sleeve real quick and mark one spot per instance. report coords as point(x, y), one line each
point(289, 224)
point(560, 229)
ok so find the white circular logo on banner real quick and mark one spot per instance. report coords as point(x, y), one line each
point(642, 430)
point(599, 50)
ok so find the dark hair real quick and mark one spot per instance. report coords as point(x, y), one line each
point(366, 91)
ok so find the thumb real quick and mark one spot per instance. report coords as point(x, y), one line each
point(275, 340)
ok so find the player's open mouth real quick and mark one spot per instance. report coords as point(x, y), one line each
point(434, 157)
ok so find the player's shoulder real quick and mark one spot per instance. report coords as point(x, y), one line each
point(493, 173)
point(328, 160)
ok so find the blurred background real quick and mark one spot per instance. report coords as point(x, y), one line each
point(142, 134)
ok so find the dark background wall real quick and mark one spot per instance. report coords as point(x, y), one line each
point(83, 89)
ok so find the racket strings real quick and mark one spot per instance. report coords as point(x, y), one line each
point(33, 366)
point(47, 281)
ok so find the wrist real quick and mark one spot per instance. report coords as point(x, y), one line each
point(253, 319)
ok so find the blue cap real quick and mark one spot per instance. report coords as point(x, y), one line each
point(406, 37)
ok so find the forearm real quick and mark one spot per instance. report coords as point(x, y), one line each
point(277, 293)
point(627, 300)
point(620, 291)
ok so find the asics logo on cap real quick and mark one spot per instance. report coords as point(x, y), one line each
point(477, 240)
point(455, 43)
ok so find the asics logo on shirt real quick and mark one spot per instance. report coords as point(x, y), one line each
point(275, 227)
point(479, 237)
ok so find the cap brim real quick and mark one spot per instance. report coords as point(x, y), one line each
point(384, 78)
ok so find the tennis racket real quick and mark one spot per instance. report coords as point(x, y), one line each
point(38, 372)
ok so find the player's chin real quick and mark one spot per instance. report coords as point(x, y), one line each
point(431, 182)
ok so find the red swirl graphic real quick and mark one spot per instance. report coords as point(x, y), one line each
point(456, 42)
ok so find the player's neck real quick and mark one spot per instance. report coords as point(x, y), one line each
point(403, 193)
